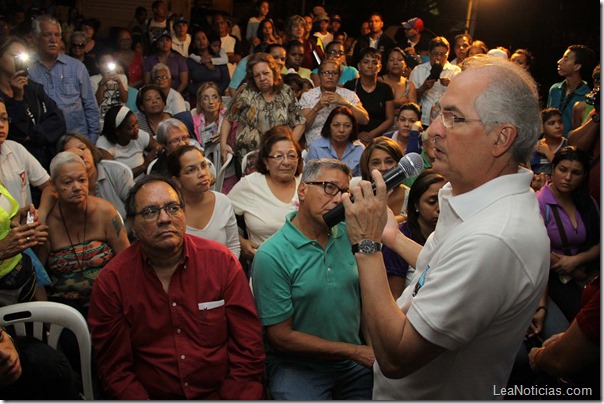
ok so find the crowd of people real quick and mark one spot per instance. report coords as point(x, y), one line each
point(170, 184)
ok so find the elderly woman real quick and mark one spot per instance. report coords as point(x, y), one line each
point(338, 141)
point(404, 90)
point(77, 42)
point(123, 139)
point(179, 72)
point(17, 274)
point(263, 198)
point(151, 102)
point(84, 233)
point(36, 120)
point(105, 179)
point(263, 103)
point(209, 214)
point(204, 64)
point(171, 134)
point(160, 76)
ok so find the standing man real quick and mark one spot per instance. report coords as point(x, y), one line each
point(415, 44)
point(576, 63)
point(430, 89)
point(229, 43)
point(65, 79)
point(173, 317)
point(180, 38)
point(306, 287)
point(482, 272)
point(375, 39)
point(158, 22)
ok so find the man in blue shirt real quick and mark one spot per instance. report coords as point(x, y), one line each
point(65, 79)
point(577, 61)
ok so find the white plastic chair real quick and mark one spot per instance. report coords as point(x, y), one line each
point(119, 163)
point(244, 161)
point(212, 153)
point(222, 173)
point(150, 166)
point(58, 316)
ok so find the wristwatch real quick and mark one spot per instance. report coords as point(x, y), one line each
point(366, 247)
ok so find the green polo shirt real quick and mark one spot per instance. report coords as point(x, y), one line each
point(294, 277)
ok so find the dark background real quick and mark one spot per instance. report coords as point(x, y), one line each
point(545, 27)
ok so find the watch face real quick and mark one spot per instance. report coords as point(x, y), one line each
point(368, 246)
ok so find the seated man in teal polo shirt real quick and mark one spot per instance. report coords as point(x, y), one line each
point(306, 287)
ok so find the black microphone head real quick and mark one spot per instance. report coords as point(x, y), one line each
point(412, 164)
point(436, 70)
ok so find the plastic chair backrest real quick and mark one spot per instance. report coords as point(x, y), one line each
point(212, 153)
point(119, 163)
point(222, 173)
point(58, 316)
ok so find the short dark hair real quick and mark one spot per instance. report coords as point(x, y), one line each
point(274, 135)
point(421, 184)
point(369, 51)
point(144, 90)
point(293, 43)
point(548, 113)
point(153, 177)
point(341, 110)
point(585, 57)
point(438, 41)
point(410, 106)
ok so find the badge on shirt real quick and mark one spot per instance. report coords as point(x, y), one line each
point(421, 281)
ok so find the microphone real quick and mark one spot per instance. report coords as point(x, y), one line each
point(435, 71)
point(410, 165)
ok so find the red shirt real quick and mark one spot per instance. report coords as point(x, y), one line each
point(182, 344)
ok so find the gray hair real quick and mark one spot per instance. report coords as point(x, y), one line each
point(61, 159)
point(511, 97)
point(313, 168)
point(79, 34)
point(37, 22)
point(164, 127)
point(160, 66)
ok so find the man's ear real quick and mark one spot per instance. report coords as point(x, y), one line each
point(302, 189)
point(504, 140)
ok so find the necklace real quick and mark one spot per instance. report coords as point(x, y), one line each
point(80, 264)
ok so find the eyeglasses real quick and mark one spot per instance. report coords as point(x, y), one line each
point(151, 213)
point(449, 118)
point(330, 188)
point(196, 169)
point(439, 54)
point(77, 45)
point(279, 157)
point(184, 139)
point(336, 53)
point(161, 78)
point(329, 73)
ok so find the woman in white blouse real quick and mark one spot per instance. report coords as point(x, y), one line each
point(209, 214)
point(264, 198)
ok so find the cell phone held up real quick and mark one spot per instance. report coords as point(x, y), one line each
point(21, 64)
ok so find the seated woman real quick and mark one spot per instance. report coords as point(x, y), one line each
point(123, 139)
point(422, 215)
point(339, 135)
point(160, 76)
point(171, 134)
point(105, 180)
point(382, 154)
point(409, 125)
point(404, 89)
point(263, 198)
point(377, 97)
point(209, 214)
point(17, 273)
point(84, 233)
point(204, 64)
point(572, 221)
point(151, 104)
point(551, 141)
